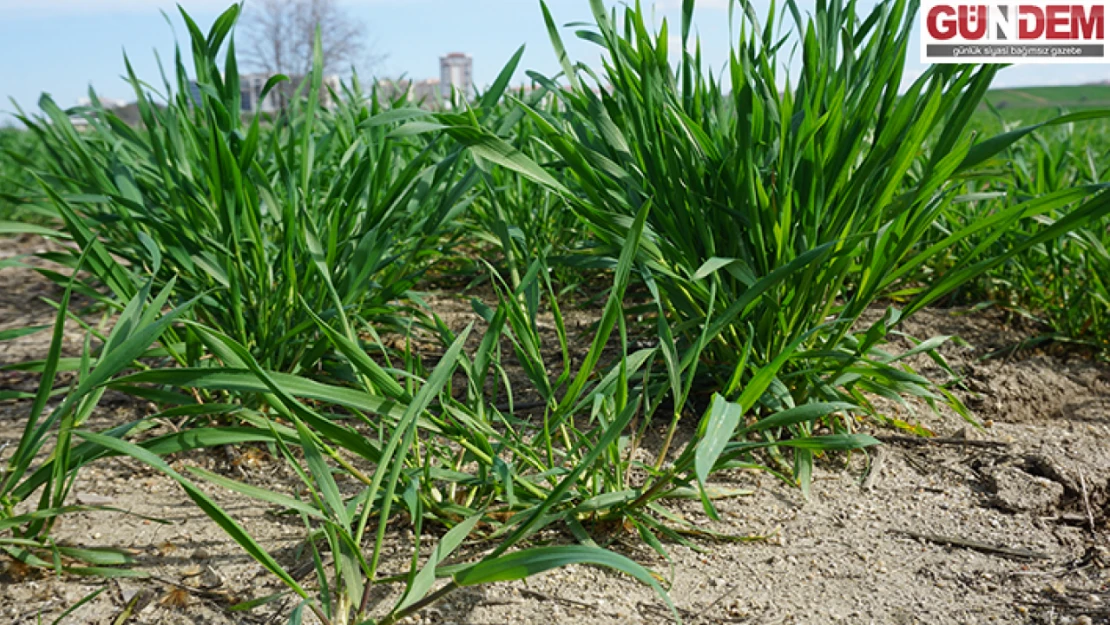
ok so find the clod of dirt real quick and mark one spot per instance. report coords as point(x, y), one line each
point(1048, 467)
point(1017, 491)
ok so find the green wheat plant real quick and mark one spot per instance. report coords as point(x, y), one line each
point(513, 213)
point(454, 458)
point(416, 463)
point(1061, 281)
point(777, 216)
point(33, 498)
point(238, 212)
point(20, 154)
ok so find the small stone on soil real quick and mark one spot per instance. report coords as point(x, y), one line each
point(1018, 491)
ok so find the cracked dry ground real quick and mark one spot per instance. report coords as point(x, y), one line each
point(1012, 529)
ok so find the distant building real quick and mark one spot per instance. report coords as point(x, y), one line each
point(455, 75)
point(427, 91)
point(250, 94)
point(251, 86)
point(194, 92)
point(455, 80)
point(423, 92)
point(108, 103)
point(127, 112)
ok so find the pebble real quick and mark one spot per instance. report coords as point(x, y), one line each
point(1018, 491)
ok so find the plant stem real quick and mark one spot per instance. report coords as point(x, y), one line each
point(319, 613)
point(667, 442)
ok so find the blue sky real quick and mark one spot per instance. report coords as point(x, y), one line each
point(62, 46)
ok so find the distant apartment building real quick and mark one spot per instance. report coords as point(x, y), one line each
point(129, 113)
point(455, 75)
point(423, 92)
point(455, 80)
point(250, 94)
point(251, 86)
point(108, 103)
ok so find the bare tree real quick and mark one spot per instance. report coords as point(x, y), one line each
point(278, 36)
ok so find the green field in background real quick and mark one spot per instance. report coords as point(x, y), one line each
point(1032, 104)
